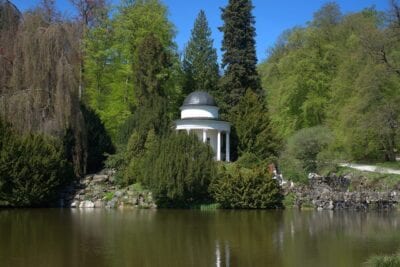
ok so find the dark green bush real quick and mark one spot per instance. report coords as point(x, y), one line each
point(241, 188)
point(32, 169)
point(178, 170)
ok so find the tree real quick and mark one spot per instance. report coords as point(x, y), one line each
point(151, 72)
point(110, 56)
point(329, 15)
point(89, 11)
point(49, 11)
point(255, 133)
point(239, 59)
point(10, 18)
point(150, 118)
point(200, 59)
point(41, 94)
point(182, 169)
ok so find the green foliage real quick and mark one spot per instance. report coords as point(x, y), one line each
point(150, 79)
point(105, 92)
point(110, 57)
point(99, 142)
point(303, 150)
point(238, 187)
point(369, 122)
point(384, 261)
point(239, 59)
point(289, 200)
point(137, 187)
point(254, 131)
point(200, 59)
point(32, 169)
point(150, 70)
point(339, 71)
point(178, 170)
point(108, 196)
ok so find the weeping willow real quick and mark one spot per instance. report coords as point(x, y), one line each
point(9, 22)
point(39, 83)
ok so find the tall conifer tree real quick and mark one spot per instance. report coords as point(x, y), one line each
point(200, 59)
point(239, 59)
point(150, 76)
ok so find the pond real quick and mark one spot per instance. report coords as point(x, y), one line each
point(97, 237)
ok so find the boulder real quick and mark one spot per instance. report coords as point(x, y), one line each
point(75, 204)
point(86, 204)
point(99, 204)
point(100, 178)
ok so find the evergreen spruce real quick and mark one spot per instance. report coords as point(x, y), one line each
point(239, 59)
point(253, 129)
point(200, 59)
point(151, 72)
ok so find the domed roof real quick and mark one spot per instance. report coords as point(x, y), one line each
point(199, 98)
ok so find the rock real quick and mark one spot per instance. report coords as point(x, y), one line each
point(90, 192)
point(75, 204)
point(86, 204)
point(99, 204)
point(331, 206)
point(111, 204)
point(118, 194)
point(334, 192)
point(100, 178)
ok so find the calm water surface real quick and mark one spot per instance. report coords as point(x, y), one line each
point(57, 237)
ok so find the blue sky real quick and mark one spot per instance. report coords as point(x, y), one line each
point(272, 16)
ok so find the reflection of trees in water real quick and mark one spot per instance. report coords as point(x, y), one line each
point(44, 237)
point(337, 238)
point(222, 254)
point(193, 238)
point(354, 224)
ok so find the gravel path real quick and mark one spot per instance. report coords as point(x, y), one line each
point(370, 168)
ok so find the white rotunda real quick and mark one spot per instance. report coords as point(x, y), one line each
point(199, 114)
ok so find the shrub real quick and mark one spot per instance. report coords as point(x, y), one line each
point(384, 261)
point(289, 200)
point(32, 169)
point(238, 187)
point(178, 170)
point(303, 151)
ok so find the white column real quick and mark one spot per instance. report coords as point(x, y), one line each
point(219, 146)
point(204, 136)
point(227, 150)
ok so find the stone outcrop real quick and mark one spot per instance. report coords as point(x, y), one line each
point(341, 192)
point(101, 191)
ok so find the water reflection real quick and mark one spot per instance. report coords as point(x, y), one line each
point(193, 238)
point(222, 254)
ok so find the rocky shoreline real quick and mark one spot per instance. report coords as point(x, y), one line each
point(322, 193)
point(100, 191)
point(341, 193)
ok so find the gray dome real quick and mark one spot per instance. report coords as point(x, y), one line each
point(199, 98)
